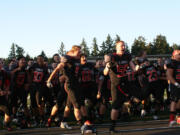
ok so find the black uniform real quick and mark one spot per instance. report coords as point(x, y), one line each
point(118, 69)
point(56, 84)
point(134, 87)
point(164, 83)
point(38, 88)
point(151, 83)
point(87, 82)
point(4, 103)
point(106, 88)
point(69, 72)
point(18, 81)
point(175, 92)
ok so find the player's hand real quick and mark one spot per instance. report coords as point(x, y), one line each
point(49, 84)
point(98, 95)
point(108, 65)
point(177, 85)
point(19, 68)
point(136, 100)
point(1, 93)
point(60, 65)
point(64, 59)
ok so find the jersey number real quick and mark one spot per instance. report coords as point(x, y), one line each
point(121, 69)
point(86, 76)
point(20, 79)
point(152, 75)
point(38, 76)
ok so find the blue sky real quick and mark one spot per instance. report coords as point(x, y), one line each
point(38, 25)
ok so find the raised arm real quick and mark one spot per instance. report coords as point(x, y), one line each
point(107, 60)
point(131, 64)
point(169, 75)
point(58, 68)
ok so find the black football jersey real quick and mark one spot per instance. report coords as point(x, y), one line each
point(175, 65)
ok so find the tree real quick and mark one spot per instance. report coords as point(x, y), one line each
point(149, 48)
point(19, 51)
point(95, 48)
point(109, 45)
point(43, 55)
point(175, 46)
point(61, 50)
point(12, 53)
point(127, 48)
point(117, 38)
point(103, 49)
point(28, 57)
point(84, 47)
point(138, 45)
point(16, 51)
point(160, 45)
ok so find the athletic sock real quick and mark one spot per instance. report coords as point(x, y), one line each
point(172, 116)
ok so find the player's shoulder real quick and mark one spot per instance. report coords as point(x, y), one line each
point(65, 58)
point(127, 56)
point(127, 53)
point(171, 63)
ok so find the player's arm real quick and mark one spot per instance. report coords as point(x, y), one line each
point(107, 68)
point(30, 74)
point(15, 70)
point(58, 68)
point(100, 83)
point(6, 85)
point(170, 77)
point(107, 60)
point(132, 66)
point(27, 84)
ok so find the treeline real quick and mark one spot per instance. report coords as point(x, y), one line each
point(158, 46)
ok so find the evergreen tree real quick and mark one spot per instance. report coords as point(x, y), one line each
point(28, 57)
point(12, 53)
point(127, 48)
point(61, 50)
point(138, 45)
point(19, 51)
point(43, 55)
point(109, 44)
point(95, 51)
point(175, 46)
point(103, 49)
point(149, 48)
point(84, 47)
point(117, 38)
point(160, 45)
